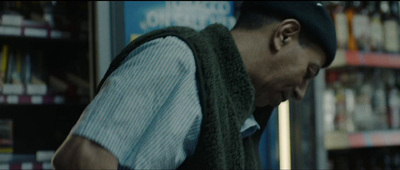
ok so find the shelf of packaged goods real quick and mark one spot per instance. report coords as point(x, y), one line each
point(345, 140)
point(40, 160)
point(50, 39)
point(35, 32)
point(359, 58)
point(42, 100)
point(31, 99)
point(26, 165)
point(42, 42)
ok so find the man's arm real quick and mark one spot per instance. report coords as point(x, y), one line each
point(147, 113)
point(77, 152)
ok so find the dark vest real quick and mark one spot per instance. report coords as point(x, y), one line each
point(226, 97)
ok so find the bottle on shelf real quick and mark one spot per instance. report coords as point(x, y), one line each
point(393, 115)
point(27, 68)
point(351, 82)
point(395, 12)
point(48, 8)
point(376, 27)
point(345, 103)
point(6, 136)
point(17, 74)
point(4, 61)
point(363, 115)
point(337, 10)
point(379, 99)
point(360, 25)
point(350, 12)
point(340, 116)
point(390, 28)
point(330, 101)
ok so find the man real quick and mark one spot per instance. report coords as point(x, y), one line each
point(180, 99)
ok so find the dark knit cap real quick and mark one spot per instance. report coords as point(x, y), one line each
point(312, 15)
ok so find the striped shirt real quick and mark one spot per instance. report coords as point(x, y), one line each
point(147, 112)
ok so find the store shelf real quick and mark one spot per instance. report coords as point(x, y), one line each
point(26, 166)
point(46, 76)
point(41, 31)
point(42, 42)
point(344, 140)
point(27, 99)
point(358, 58)
point(40, 157)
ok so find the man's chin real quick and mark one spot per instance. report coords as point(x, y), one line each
point(275, 105)
point(261, 105)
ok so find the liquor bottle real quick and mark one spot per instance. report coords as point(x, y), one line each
point(16, 74)
point(361, 22)
point(350, 11)
point(330, 101)
point(396, 160)
point(48, 9)
point(25, 9)
point(363, 115)
point(395, 11)
point(36, 11)
point(10, 67)
point(27, 69)
point(393, 117)
point(4, 62)
point(341, 24)
point(376, 38)
point(390, 28)
point(379, 100)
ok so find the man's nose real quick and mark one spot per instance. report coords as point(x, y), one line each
point(300, 90)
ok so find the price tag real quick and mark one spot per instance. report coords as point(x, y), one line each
point(47, 165)
point(59, 34)
point(12, 99)
point(37, 100)
point(4, 166)
point(59, 100)
point(10, 30)
point(36, 89)
point(13, 89)
point(14, 20)
point(36, 32)
point(2, 100)
point(26, 165)
point(44, 155)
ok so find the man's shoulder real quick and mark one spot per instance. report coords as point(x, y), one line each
point(164, 50)
point(176, 44)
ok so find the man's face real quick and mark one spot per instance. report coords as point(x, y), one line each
point(287, 73)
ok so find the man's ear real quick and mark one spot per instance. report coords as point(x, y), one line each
point(287, 31)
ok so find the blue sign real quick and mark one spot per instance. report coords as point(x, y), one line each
point(145, 16)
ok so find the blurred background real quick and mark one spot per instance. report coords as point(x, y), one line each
point(54, 53)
